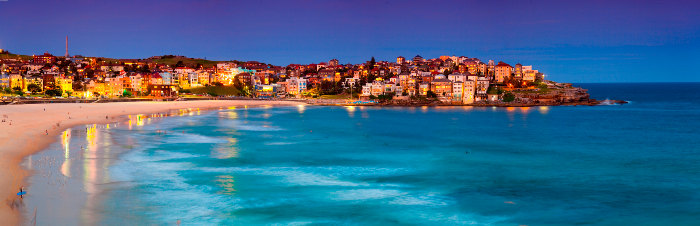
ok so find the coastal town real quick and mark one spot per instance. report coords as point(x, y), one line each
point(446, 80)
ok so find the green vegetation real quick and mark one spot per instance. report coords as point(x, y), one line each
point(508, 97)
point(343, 96)
point(126, 93)
point(7, 55)
point(494, 90)
point(184, 61)
point(53, 92)
point(431, 94)
point(387, 96)
point(216, 90)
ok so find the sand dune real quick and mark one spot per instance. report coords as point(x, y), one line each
point(26, 129)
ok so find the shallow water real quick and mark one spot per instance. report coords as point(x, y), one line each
point(602, 165)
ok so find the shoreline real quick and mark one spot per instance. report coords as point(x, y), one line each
point(591, 102)
point(31, 128)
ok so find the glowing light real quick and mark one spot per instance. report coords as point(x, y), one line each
point(226, 182)
point(525, 110)
point(91, 137)
point(351, 111)
point(228, 150)
point(544, 110)
point(301, 108)
point(65, 141)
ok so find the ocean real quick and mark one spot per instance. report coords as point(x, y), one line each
point(632, 164)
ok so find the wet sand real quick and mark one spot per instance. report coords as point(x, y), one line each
point(27, 129)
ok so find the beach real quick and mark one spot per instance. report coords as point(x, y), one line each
point(27, 129)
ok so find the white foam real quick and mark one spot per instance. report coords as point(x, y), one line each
point(279, 143)
point(290, 175)
point(190, 138)
point(238, 125)
point(364, 194)
point(420, 200)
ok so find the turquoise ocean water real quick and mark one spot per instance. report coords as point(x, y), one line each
point(634, 164)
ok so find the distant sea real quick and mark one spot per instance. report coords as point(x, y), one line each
point(632, 164)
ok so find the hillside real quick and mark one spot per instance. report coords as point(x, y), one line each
point(190, 62)
point(8, 55)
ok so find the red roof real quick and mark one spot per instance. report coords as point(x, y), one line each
point(502, 64)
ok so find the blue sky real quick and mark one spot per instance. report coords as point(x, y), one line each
point(591, 41)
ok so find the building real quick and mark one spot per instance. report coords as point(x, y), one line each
point(423, 88)
point(530, 75)
point(296, 86)
point(482, 88)
point(417, 59)
point(400, 60)
point(469, 92)
point(457, 91)
point(333, 63)
point(442, 87)
point(266, 91)
point(46, 58)
point(160, 90)
point(4, 80)
point(457, 77)
point(518, 70)
point(503, 71)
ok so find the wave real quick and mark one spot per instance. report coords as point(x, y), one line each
point(191, 138)
point(364, 194)
point(292, 176)
point(238, 125)
point(279, 143)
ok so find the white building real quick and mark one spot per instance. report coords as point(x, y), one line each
point(296, 86)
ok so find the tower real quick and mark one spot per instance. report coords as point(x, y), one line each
point(66, 46)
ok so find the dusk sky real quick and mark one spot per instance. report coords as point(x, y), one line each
point(586, 41)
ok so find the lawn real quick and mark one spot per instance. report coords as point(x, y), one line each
point(341, 96)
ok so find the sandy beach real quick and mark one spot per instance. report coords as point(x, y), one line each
point(27, 129)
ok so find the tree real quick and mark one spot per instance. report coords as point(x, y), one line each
point(126, 93)
point(34, 88)
point(77, 85)
point(89, 73)
point(145, 69)
point(431, 94)
point(17, 88)
point(53, 92)
point(508, 97)
point(372, 62)
point(180, 64)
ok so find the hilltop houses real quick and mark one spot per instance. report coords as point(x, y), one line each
point(449, 79)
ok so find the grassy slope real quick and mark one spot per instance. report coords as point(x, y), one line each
point(14, 56)
point(187, 61)
point(343, 96)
